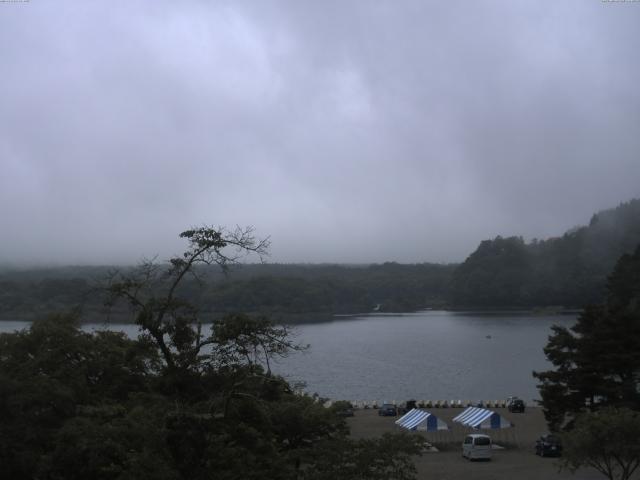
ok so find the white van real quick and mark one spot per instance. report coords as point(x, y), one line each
point(477, 446)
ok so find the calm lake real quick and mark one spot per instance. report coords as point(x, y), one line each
point(432, 355)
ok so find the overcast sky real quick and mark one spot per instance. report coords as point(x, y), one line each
point(348, 131)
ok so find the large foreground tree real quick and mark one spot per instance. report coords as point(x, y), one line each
point(597, 361)
point(153, 291)
point(177, 402)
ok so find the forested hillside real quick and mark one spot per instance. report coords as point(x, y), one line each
point(296, 290)
point(570, 270)
point(567, 271)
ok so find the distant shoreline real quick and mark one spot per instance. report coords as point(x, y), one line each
point(306, 318)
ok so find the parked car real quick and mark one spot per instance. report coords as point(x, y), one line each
point(388, 410)
point(476, 447)
point(511, 399)
point(516, 406)
point(548, 446)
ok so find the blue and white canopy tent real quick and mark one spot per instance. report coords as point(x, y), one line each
point(421, 420)
point(481, 418)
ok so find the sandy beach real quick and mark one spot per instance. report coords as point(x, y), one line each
point(516, 461)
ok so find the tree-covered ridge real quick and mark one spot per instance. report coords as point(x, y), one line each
point(570, 270)
point(333, 289)
point(566, 271)
point(259, 288)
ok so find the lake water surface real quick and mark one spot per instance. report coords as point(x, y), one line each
point(432, 355)
point(425, 355)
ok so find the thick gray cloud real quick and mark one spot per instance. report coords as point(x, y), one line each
point(347, 131)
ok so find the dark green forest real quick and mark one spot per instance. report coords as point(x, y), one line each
point(568, 271)
point(77, 405)
point(298, 291)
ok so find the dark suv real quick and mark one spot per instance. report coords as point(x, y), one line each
point(516, 406)
point(388, 410)
point(548, 446)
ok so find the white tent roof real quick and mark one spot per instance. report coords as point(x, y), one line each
point(421, 420)
point(475, 417)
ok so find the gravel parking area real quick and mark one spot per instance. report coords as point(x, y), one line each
point(516, 461)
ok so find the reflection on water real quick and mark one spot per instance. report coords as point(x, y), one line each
point(425, 355)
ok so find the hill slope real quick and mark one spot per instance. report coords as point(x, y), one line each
point(570, 270)
point(504, 272)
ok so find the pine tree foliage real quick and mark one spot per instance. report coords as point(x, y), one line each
point(597, 361)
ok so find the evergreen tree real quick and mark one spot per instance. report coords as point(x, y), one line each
point(597, 361)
